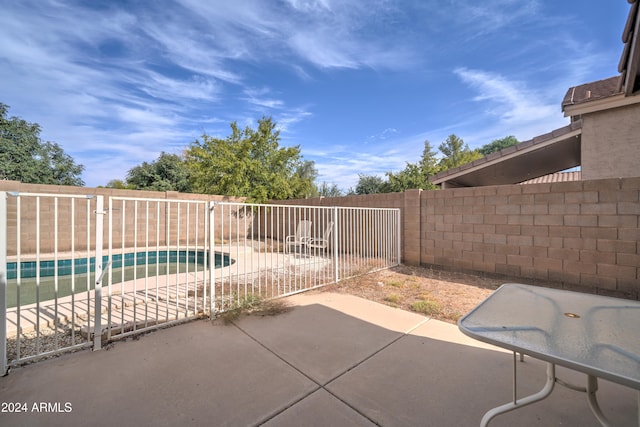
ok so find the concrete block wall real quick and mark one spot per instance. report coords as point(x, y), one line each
point(576, 234)
point(583, 235)
point(579, 235)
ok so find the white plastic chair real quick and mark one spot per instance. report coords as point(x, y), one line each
point(321, 243)
point(301, 236)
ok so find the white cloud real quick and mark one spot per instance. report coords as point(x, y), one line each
point(384, 135)
point(510, 108)
point(260, 98)
point(494, 15)
point(510, 101)
point(310, 5)
point(342, 166)
point(286, 119)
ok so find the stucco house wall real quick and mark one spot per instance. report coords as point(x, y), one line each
point(611, 143)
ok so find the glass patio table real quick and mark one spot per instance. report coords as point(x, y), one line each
point(592, 334)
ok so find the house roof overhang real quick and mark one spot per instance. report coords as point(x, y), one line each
point(552, 152)
point(617, 91)
point(629, 66)
point(606, 103)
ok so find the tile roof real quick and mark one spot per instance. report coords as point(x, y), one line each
point(556, 177)
point(628, 82)
point(592, 91)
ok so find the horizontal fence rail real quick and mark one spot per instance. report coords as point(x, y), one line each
point(75, 273)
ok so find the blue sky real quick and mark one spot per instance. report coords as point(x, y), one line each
point(358, 84)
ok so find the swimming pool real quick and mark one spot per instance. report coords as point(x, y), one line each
point(78, 275)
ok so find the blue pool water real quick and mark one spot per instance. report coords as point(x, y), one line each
point(47, 268)
point(124, 267)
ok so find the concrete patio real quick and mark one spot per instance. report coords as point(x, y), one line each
point(333, 360)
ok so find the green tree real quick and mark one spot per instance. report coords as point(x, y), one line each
point(329, 190)
point(118, 184)
point(456, 153)
point(167, 173)
point(416, 175)
point(248, 163)
point(303, 180)
point(370, 184)
point(497, 145)
point(25, 157)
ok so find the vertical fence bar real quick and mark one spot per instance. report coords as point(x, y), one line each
point(18, 275)
point(336, 251)
point(208, 252)
point(110, 272)
point(55, 272)
point(73, 271)
point(146, 264)
point(167, 205)
point(195, 261)
point(398, 259)
point(3, 282)
point(280, 267)
point(97, 334)
point(157, 294)
point(135, 265)
point(123, 261)
point(38, 274)
point(88, 265)
point(212, 269)
point(186, 252)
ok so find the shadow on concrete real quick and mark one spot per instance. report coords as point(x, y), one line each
point(334, 360)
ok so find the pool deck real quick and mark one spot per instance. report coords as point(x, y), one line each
point(149, 299)
point(332, 360)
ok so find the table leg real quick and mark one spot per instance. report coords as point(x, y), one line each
point(542, 394)
point(592, 388)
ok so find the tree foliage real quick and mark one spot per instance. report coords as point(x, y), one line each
point(249, 163)
point(416, 175)
point(456, 153)
point(25, 157)
point(168, 172)
point(370, 184)
point(329, 190)
point(305, 176)
point(498, 145)
point(118, 184)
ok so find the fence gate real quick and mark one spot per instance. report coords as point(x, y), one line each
point(76, 272)
point(49, 277)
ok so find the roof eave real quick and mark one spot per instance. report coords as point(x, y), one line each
point(629, 65)
point(451, 177)
point(615, 101)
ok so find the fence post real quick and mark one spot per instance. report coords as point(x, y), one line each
point(335, 244)
point(3, 282)
point(97, 331)
point(211, 259)
point(399, 236)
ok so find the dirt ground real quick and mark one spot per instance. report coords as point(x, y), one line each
point(442, 295)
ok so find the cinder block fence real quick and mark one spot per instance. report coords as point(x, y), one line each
point(579, 235)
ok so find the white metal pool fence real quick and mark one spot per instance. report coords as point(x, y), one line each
point(78, 272)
